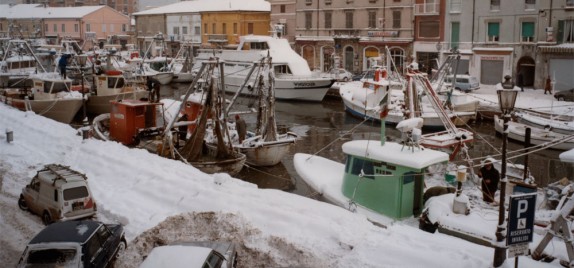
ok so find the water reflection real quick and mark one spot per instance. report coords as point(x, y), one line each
point(324, 127)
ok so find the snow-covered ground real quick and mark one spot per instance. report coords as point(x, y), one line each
point(160, 201)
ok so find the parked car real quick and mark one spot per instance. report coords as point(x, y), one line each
point(565, 95)
point(84, 243)
point(463, 82)
point(192, 254)
point(340, 74)
point(364, 75)
point(58, 193)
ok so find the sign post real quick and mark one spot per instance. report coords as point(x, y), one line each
point(520, 224)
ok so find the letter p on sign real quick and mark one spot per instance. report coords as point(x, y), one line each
point(522, 207)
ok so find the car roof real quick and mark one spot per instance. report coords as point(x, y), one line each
point(175, 256)
point(67, 231)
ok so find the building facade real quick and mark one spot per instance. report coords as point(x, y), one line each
point(428, 33)
point(123, 6)
point(352, 34)
point(283, 13)
point(222, 29)
point(521, 38)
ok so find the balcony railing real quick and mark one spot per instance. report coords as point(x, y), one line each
point(427, 9)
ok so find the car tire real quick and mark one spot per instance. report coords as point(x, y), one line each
point(345, 79)
point(121, 248)
point(46, 218)
point(22, 203)
point(458, 88)
point(560, 98)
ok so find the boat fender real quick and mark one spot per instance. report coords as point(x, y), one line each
point(250, 86)
point(113, 72)
point(384, 73)
point(547, 127)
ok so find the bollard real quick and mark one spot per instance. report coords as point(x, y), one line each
point(85, 129)
point(9, 135)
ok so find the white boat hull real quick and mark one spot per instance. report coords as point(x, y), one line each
point(61, 110)
point(303, 89)
point(326, 178)
point(516, 131)
point(558, 126)
point(182, 78)
point(164, 78)
point(260, 153)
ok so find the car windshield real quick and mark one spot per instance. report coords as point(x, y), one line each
point(462, 80)
point(51, 257)
point(75, 193)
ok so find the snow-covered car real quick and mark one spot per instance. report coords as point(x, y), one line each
point(340, 74)
point(463, 82)
point(58, 193)
point(192, 254)
point(565, 95)
point(75, 244)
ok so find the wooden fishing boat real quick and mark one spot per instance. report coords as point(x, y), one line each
point(112, 86)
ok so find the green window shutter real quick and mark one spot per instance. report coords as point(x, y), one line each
point(493, 29)
point(528, 29)
point(455, 35)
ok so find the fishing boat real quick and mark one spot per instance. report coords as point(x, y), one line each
point(182, 64)
point(563, 124)
point(382, 180)
point(50, 96)
point(266, 147)
point(112, 86)
point(293, 78)
point(543, 137)
point(18, 62)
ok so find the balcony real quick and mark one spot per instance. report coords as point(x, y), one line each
point(427, 9)
point(217, 38)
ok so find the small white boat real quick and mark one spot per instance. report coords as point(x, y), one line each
point(50, 96)
point(182, 64)
point(556, 123)
point(293, 78)
point(112, 86)
point(516, 131)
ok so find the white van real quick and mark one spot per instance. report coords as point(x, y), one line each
point(58, 193)
point(464, 82)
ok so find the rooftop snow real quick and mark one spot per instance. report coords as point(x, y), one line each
point(24, 11)
point(209, 6)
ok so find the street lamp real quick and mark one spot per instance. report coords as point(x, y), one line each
point(506, 100)
point(82, 61)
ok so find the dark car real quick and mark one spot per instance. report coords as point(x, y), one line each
point(75, 244)
point(565, 95)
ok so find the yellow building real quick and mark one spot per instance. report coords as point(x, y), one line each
point(223, 28)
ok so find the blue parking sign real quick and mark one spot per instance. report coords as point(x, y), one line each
point(521, 219)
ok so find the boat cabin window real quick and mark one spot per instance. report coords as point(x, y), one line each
point(22, 64)
point(158, 66)
point(359, 165)
point(282, 69)
point(116, 82)
point(255, 46)
point(55, 87)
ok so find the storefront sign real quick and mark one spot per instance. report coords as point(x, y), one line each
point(492, 58)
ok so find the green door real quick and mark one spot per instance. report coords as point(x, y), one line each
point(455, 35)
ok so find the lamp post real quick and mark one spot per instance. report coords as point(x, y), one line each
point(82, 61)
point(506, 100)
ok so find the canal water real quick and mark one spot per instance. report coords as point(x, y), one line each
point(323, 127)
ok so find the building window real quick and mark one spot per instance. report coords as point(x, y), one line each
point(308, 20)
point(250, 28)
point(528, 32)
point(55, 28)
point(175, 30)
point(372, 19)
point(529, 4)
point(493, 31)
point(282, 8)
point(328, 20)
point(396, 19)
point(455, 6)
point(76, 28)
point(349, 19)
point(112, 28)
point(565, 31)
point(569, 4)
point(197, 30)
point(88, 28)
point(429, 29)
point(184, 30)
point(45, 27)
point(63, 28)
point(308, 2)
point(213, 30)
point(234, 28)
point(224, 28)
point(494, 4)
point(124, 28)
point(205, 28)
point(104, 28)
point(328, 2)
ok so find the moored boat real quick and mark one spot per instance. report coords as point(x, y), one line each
point(112, 86)
point(542, 137)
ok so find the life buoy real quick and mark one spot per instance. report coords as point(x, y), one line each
point(113, 72)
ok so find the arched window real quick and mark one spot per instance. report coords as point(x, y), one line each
point(398, 56)
point(370, 58)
